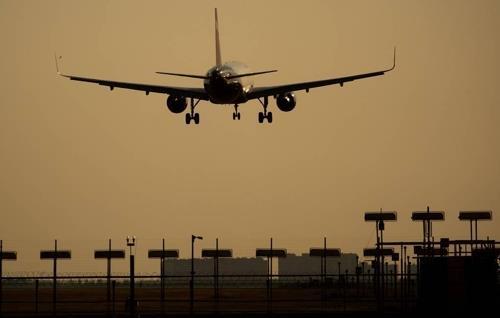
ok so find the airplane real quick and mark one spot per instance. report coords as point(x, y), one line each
point(226, 84)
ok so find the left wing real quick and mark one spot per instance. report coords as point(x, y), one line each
point(259, 92)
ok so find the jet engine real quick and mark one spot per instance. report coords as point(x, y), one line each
point(176, 104)
point(286, 102)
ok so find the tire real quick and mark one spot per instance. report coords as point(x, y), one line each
point(197, 118)
point(188, 118)
point(234, 116)
point(261, 117)
point(239, 116)
point(269, 117)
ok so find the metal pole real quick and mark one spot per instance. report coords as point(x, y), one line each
point(387, 276)
point(324, 268)
point(267, 280)
point(395, 280)
point(357, 276)
point(162, 271)
point(401, 273)
point(108, 279)
point(428, 228)
point(324, 260)
point(382, 274)
point(377, 267)
point(475, 221)
point(132, 283)
point(408, 273)
point(217, 269)
point(1, 276)
point(191, 283)
point(54, 282)
point(113, 297)
point(471, 236)
point(404, 278)
point(424, 233)
point(338, 270)
point(271, 273)
point(36, 295)
point(132, 300)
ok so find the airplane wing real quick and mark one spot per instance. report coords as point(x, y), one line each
point(259, 92)
point(190, 92)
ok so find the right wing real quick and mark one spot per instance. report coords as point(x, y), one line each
point(190, 92)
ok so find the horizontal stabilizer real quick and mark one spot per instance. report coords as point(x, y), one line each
point(183, 75)
point(251, 74)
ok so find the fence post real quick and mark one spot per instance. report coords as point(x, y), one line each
point(113, 295)
point(36, 295)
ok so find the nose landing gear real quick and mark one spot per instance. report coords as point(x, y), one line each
point(265, 114)
point(236, 114)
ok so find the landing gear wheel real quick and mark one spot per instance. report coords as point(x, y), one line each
point(192, 115)
point(261, 117)
point(265, 115)
point(236, 114)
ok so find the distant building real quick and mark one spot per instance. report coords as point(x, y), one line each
point(309, 265)
point(255, 269)
point(227, 266)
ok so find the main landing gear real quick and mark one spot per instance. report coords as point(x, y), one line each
point(192, 115)
point(265, 114)
point(236, 114)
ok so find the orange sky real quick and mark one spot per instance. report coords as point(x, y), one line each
point(81, 164)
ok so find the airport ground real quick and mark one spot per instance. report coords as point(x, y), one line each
point(91, 301)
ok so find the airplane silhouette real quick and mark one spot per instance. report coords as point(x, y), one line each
point(227, 83)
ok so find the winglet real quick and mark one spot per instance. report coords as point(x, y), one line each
point(218, 58)
point(394, 61)
point(57, 63)
point(57, 58)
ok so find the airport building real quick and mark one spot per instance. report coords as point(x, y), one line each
point(311, 265)
point(245, 270)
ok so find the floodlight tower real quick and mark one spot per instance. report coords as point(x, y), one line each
point(4, 255)
point(474, 216)
point(427, 217)
point(379, 218)
point(191, 283)
point(132, 301)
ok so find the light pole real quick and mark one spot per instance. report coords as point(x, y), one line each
point(474, 216)
point(380, 217)
point(191, 283)
point(132, 301)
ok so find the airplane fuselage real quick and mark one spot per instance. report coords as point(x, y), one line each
point(225, 90)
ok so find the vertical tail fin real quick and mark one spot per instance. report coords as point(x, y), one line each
point(218, 58)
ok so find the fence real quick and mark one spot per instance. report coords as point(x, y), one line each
point(235, 293)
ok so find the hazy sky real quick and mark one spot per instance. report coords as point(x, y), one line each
point(81, 164)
